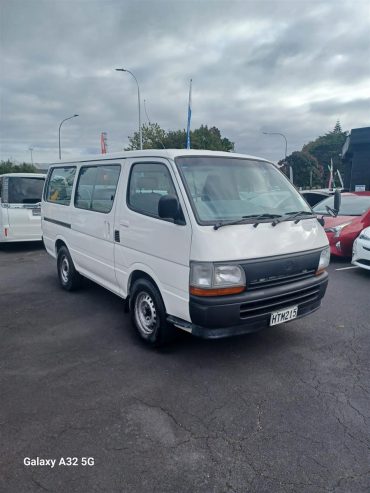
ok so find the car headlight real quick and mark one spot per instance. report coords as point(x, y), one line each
point(365, 236)
point(324, 260)
point(208, 279)
point(337, 229)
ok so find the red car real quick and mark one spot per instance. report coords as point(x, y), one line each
point(353, 217)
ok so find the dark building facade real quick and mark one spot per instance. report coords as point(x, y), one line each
point(356, 159)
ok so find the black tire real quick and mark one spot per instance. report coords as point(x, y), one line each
point(69, 278)
point(148, 314)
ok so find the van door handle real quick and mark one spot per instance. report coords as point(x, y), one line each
point(107, 228)
point(125, 224)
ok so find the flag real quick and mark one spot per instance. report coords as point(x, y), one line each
point(340, 178)
point(330, 184)
point(103, 142)
point(189, 119)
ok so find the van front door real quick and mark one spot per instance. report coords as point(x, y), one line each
point(145, 242)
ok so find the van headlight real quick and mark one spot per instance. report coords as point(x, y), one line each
point(208, 279)
point(324, 260)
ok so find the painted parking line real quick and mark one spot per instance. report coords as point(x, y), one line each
point(346, 268)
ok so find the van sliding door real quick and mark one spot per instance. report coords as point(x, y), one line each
point(93, 222)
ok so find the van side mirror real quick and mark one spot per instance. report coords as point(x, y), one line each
point(321, 221)
point(169, 208)
point(337, 201)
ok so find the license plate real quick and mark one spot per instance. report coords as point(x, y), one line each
point(36, 212)
point(283, 315)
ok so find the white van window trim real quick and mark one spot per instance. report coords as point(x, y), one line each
point(92, 162)
point(47, 182)
point(95, 165)
point(147, 213)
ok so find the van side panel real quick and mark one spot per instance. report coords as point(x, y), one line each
point(172, 279)
point(88, 234)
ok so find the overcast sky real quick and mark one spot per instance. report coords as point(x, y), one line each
point(283, 66)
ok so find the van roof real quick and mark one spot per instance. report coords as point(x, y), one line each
point(163, 153)
point(24, 175)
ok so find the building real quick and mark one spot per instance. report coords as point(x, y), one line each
point(356, 159)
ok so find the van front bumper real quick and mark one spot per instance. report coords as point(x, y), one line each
point(224, 316)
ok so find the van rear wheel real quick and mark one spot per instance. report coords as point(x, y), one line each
point(148, 314)
point(69, 278)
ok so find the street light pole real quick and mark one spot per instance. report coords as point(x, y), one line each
point(60, 126)
point(286, 151)
point(138, 102)
point(31, 149)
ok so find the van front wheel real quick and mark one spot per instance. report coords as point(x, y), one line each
point(148, 314)
point(69, 278)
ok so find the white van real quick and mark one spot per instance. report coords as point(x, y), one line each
point(20, 213)
point(213, 243)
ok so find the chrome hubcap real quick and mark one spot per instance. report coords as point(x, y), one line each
point(64, 269)
point(145, 314)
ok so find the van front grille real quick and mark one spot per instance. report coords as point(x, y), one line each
point(255, 308)
point(277, 271)
point(280, 280)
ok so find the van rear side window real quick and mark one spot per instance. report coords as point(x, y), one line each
point(96, 187)
point(60, 184)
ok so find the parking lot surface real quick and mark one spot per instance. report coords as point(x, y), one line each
point(283, 410)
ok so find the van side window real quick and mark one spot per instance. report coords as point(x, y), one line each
point(96, 187)
point(148, 183)
point(59, 187)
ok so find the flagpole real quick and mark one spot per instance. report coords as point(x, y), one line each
point(189, 118)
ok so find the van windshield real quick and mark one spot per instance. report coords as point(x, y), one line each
point(25, 190)
point(222, 188)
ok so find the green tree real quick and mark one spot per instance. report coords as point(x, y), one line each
point(326, 148)
point(211, 139)
point(155, 137)
point(306, 169)
point(10, 167)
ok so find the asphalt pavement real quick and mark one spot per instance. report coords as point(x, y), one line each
point(283, 410)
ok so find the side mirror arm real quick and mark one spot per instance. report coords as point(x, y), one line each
point(321, 220)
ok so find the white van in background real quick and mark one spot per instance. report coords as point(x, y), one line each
point(213, 243)
point(20, 213)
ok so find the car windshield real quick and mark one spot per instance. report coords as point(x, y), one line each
point(25, 190)
point(227, 188)
point(351, 205)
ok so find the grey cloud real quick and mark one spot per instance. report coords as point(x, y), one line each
point(247, 60)
point(332, 107)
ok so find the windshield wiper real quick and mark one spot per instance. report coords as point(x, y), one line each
point(265, 216)
point(246, 219)
point(289, 216)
